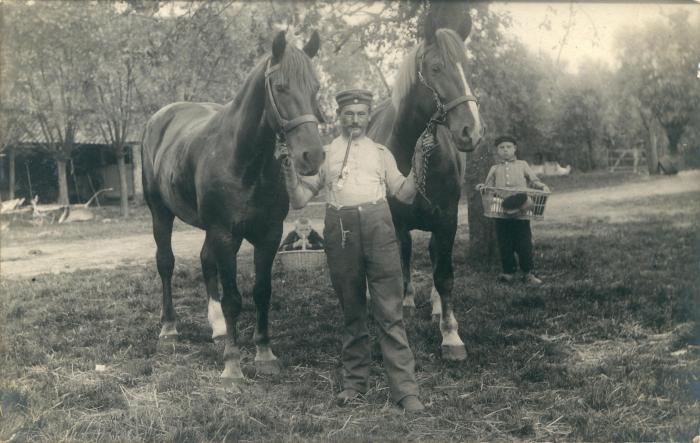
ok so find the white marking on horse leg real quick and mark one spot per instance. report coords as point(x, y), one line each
point(168, 330)
point(264, 353)
point(232, 370)
point(476, 130)
point(216, 318)
point(449, 330)
point(436, 302)
point(265, 361)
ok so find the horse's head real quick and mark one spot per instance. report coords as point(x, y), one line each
point(291, 104)
point(442, 88)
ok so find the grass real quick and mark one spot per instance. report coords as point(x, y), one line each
point(577, 181)
point(607, 350)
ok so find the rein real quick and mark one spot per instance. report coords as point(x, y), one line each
point(284, 125)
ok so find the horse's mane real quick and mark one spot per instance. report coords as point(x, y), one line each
point(295, 64)
point(451, 49)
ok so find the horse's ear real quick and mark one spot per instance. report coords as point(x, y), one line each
point(312, 46)
point(278, 46)
point(429, 28)
point(451, 15)
point(465, 27)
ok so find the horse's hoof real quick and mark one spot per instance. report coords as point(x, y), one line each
point(219, 340)
point(233, 384)
point(409, 311)
point(168, 343)
point(454, 352)
point(267, 367)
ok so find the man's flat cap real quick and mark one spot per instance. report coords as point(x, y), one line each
point(353, 96)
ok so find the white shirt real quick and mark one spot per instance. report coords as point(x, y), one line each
point(372, 171)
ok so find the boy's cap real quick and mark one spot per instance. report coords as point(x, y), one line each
point(505, 138)
point(353, 96)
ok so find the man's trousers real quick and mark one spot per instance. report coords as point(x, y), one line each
point(362, 249)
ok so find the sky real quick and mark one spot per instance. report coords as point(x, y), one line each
point(593, 30)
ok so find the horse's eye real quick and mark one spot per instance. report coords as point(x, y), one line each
point(436, 68)
point(281, 88)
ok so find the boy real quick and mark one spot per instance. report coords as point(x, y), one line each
point(302, 237)
point(514, 236)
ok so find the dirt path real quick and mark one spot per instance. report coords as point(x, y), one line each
point(26, 261)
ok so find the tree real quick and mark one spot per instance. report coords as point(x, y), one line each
point(13, 122)
point(45, 42)
point(12, 129)
point(580, 106)
point(658, 66)
point(506, 81)
point(112, 88)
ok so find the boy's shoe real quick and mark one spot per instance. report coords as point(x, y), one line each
point(410, 403)
point(346, 396)
point(531, 279)
point(506, 278)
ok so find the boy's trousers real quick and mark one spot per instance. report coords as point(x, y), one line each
point(514, 237)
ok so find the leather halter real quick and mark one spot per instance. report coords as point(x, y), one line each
point(284, 125)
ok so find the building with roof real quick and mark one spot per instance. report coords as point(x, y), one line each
point(91, 166)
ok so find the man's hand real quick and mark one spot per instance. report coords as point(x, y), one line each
point(428, 139)
point(479, 186)
point(282, 152)
point(545, 188)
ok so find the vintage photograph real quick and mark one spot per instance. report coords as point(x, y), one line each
point(326, 220)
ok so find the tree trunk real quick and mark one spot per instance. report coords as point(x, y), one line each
point(123, 187)
point(591, 155)
point(674, 133)
point(653, 153)
point(12, 172)
point(62, 182)
point(482, 238)
point(138, 177)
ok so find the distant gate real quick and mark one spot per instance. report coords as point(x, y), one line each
point(627, 160)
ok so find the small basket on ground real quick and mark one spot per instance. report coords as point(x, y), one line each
point(303, 259)
point(492, 199)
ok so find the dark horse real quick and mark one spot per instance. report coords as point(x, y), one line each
point(213, 166)
point(431, 90)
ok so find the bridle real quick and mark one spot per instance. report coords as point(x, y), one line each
point(440, 115)
point(284, 126)
point(438, 118)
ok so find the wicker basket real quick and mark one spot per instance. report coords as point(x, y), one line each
point(308, 259)
point(492, 199)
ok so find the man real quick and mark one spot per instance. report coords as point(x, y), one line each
point(361, 247)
